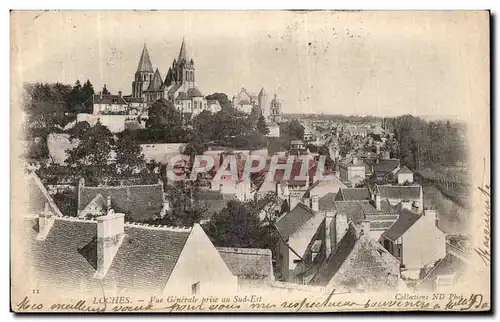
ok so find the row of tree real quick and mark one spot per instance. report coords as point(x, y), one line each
point(428, 144)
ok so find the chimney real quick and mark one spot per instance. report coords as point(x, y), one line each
point(315, 202)
point(100, 95)
point(330, 233)
point(45, 222)
point(110, 234)
point(378, 148)
point(377, 201)
point(120, 93)
point(430, 216)
point(365, 227)
point(354, 159)
point(406, 204)
point(108, 203)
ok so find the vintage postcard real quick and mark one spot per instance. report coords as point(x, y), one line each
point(250, 161)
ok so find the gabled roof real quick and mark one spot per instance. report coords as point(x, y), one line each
point(249, 263)
point(327, 202)
point(449, 265)
point(357, 210)
point(405, 170)
point(398, 192)
point(145, 62)
point(349, 194)
point(36, 195)
point(293, 220)
point(406, 219)
point(332, 264)
point(386, 165)
point(356, 255)
point(67, 258)
point(142, 202)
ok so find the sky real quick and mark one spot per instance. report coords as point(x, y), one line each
point(354, 63)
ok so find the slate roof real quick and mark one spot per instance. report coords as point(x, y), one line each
point(332, 264)
point(385, 165)
point(357, 211)
point(249, 263)
point(139, 203)
point(404, 170)
point(290, 222)
point(327, 202)
point(156, 83)
point(130, 99)
point(398, 192)
point(406, 219)
point(349, 194)
point(107, 99)
point(36, 195)
point(450, 264)
point(194, 92)
point(145, 62)
point(67, 257)
point(358, 255)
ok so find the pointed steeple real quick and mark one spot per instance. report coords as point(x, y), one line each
point(145, 62)
point(183, 52)
point(262, 92)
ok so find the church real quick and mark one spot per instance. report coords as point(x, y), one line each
point(179, 85)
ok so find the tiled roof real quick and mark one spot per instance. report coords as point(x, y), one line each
point(348, 194)
point(67, 258)
point(250, 263)
point(386, 165)
point(173, 88)
point(140, 203)
point(290, 222)
point(406, 219)
point(399, 192)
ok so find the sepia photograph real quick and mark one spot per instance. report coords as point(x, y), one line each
point(250, 161)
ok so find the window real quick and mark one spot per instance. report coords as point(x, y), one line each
point(195, 288)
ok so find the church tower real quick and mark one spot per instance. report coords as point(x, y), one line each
point(263, 103)
point(182, 71)
point(276, 111)
point(143, 75)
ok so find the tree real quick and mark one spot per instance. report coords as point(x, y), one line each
point(129, 157)
point(105, 90)
point(224, 102)
point(203, 125)
point(185, 207)
point(292, 130)
point(91, 158)
point(163, 114)
point(88, 89)
point(238, 225)
point(262, 126)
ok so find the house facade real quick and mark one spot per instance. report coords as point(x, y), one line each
point(415, 240)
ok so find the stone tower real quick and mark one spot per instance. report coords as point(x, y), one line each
point(143, 75)
point(182, 70)
point(263, 103)
point(276, 112)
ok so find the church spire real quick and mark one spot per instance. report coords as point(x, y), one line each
point(145, 62)
point(183, 52)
